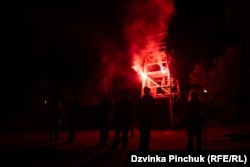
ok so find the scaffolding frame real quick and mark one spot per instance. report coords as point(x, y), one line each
point(158, 75)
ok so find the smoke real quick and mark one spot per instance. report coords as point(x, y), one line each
point(127, 38)
point(111, 73)
point(145, 24)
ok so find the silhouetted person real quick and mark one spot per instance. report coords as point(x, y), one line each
point(194, 120)
point(132, 124)
point(103, 120)
point(145, 116)
point(54, 117)
point(75, 109)
point(123, 109)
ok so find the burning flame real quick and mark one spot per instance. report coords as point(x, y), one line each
point(143, 75)
point(163, 70)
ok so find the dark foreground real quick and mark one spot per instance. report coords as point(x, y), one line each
point(34, 150)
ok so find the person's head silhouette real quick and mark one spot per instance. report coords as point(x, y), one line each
point(193, 96)
point(146, 90)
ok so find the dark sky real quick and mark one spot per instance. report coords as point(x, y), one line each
point(59, 40)
point(201, 30)
point(44, 39)
point(197, 33)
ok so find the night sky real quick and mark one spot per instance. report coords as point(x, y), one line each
point(63, 40)
point(197, 33)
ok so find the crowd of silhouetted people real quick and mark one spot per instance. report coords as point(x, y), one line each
point(121, 114)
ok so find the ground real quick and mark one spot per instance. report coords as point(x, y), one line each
point(33, 149)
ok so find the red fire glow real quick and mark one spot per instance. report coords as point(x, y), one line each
point(143, 75)
point(145, 20)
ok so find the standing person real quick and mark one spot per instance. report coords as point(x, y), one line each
point(103, 120)
point(75, 109)
point(54, 118)
point(132, 124)
point(123, 109)
point(194, 120)
point(145, 116)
